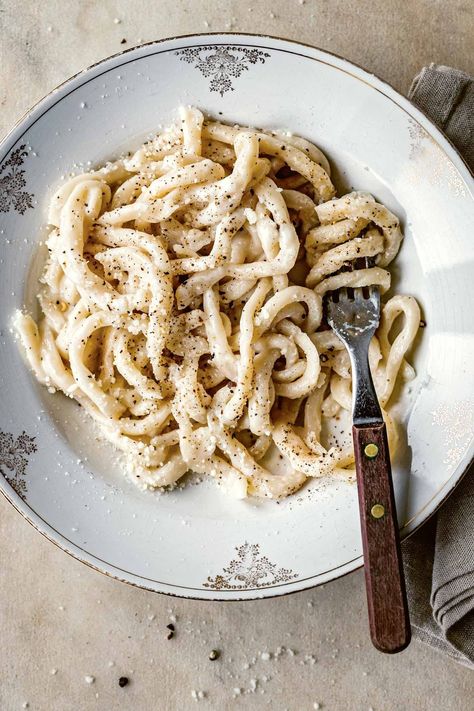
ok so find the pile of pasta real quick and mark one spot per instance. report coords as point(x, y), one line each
point(182, 305)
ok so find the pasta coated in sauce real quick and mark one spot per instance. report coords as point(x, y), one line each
point(182, 305)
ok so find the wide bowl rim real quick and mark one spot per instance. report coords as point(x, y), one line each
point(455, 478)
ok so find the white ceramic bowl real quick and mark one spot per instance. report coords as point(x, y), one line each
point(196, 542)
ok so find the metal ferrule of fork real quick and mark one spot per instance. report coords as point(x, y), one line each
point(365, 407)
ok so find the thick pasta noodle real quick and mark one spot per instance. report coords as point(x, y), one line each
point(182, 306)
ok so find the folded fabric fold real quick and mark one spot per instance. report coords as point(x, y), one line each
point(446, 95)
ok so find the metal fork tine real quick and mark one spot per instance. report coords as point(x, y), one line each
point(374, 295)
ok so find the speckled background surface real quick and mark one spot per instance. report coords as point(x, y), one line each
point(62, 622)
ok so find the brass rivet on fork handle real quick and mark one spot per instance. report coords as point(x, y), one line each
point(377, 510)
point(371, 451)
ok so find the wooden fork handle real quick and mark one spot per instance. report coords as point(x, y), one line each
point(386, 595)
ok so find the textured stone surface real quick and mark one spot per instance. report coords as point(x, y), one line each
point(55, 613)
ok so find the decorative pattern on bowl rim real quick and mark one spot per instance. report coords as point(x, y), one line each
point(14, 455)
point(457, 424)
point(12, 182)
point(440, 165)
point(223, 64)
point(249, 569)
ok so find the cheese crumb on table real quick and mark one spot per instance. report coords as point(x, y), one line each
point(198, 695)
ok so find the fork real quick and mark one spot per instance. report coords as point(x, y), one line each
point(354, 316)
